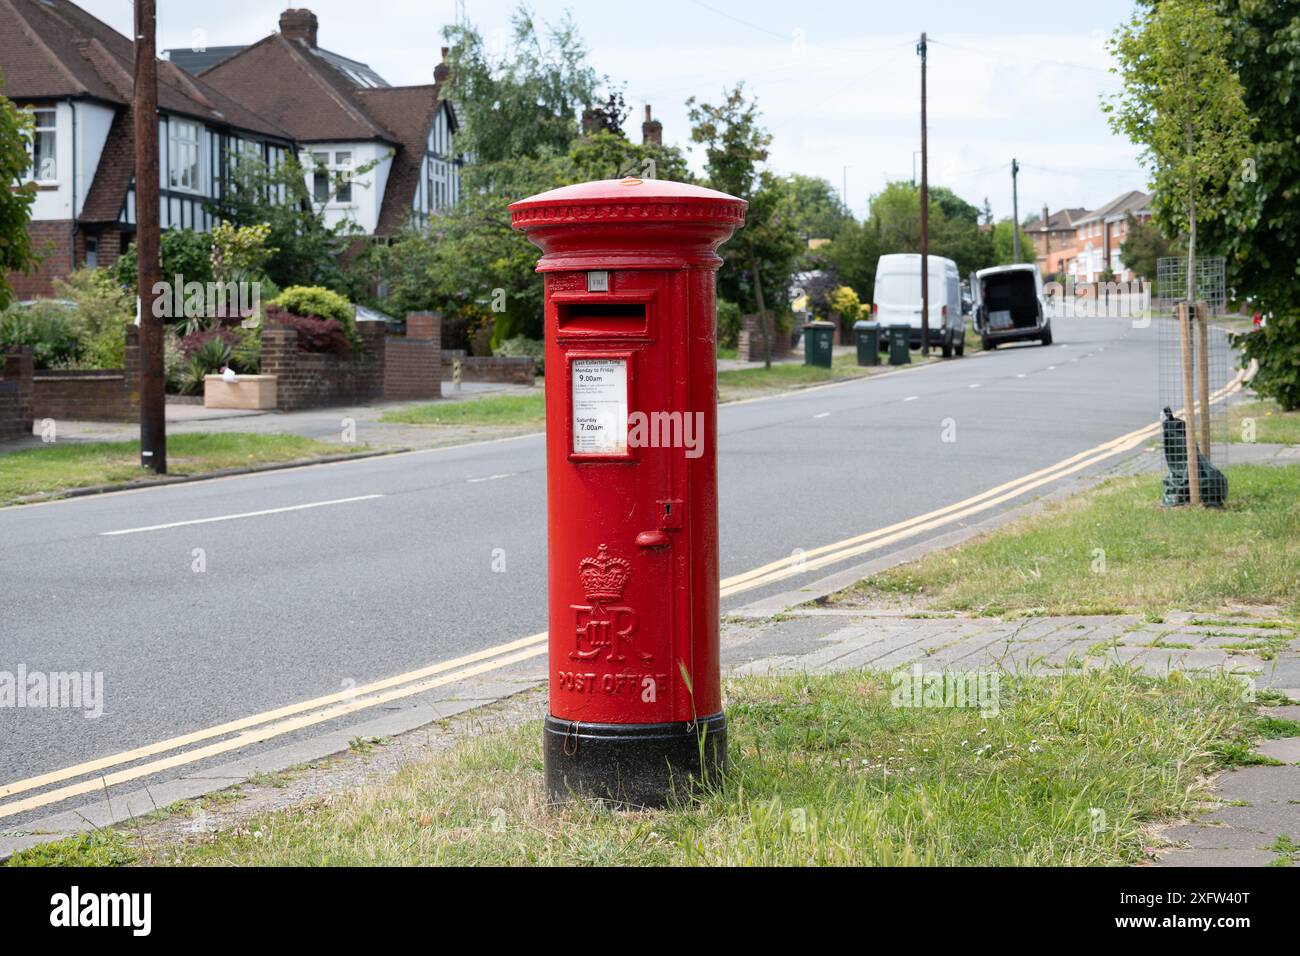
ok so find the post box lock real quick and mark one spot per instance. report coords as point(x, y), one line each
point(635, 710)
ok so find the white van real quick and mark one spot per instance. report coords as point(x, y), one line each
point(1009, 305)
point(897, 299)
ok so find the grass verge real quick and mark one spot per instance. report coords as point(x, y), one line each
point(742, 383)
point(1116, 550)
point(1270, 423)
point(58, 467)
point(824, 770)
point(501, 410)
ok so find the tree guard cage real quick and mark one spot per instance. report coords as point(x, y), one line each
point(1195, 369)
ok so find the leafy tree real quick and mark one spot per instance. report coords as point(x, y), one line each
point(523, 103)
point(307, 250)
point(1004, 244)
point(1183, 103)
point(758, 262)
point(16, 252)
point(1144, 245)
point(815, 206)
point(1260, 230)
point(852, 254)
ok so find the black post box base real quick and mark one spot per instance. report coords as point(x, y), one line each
point(632, 765)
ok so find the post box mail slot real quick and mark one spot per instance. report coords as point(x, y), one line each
point(631, 408)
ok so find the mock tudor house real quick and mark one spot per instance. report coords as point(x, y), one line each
point(277, 97)
point(344, 116)
point(74, 73)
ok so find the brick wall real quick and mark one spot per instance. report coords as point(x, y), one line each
point(53, 239)
point(16, 401)
point(310, 379)
point(513, 370)
point(91, 394)
point(749, 346)
point(413, 366)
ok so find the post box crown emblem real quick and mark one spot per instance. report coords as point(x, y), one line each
point(604, 578)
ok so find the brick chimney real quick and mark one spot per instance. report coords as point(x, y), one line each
point(1044, 215)
point(299, 24)
point(442, 70)
point(591, 122)
point(652, 131)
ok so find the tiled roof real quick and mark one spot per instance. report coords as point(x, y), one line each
point(51, 49)
point(1131, 201)
point(304, 89)
point(114, 173)
point(409, 112)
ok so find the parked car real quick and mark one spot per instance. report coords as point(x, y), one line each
point(897, 300)
point(1009, 305)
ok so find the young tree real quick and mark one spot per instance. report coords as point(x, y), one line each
point(16, 252)
point(1183, 103)
point(762, 257)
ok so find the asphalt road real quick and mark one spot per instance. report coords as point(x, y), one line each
point(296, 604)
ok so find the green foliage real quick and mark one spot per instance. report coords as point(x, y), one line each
point(209, 358)
point(321, 303)
point(1276, 346)
point(846, 302)
point(1004, 244)
point(1145, 245)
point(521, 104)
point(240, 253)
point(759, 260)
point(521, 347)
point(101, 311)
point(184, 253)
point(46, 326)
point(852, 255)
point(1260, 230)
point(17, 196)
point(817, 210)
point(1183, 104)
point(301, 248)
point(728, 323)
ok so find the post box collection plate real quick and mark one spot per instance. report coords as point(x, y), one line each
point(629, 268)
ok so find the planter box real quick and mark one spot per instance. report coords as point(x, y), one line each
point(248, 391)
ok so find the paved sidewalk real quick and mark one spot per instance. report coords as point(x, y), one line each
point(1255, 812)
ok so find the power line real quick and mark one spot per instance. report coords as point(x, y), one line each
point(1017, 58)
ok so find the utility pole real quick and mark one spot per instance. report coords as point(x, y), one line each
point(153, 421)
point(844, 189)
point(1015, 213)
point(925, 217)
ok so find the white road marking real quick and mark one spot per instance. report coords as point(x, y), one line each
point(474, 481)
point(246, 514)
point(822, 415)
point(974, 385)
point(1021, 375)
point(911, 398)
point(1051, 368)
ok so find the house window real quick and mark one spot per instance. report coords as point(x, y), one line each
point(183, 156)
point(343, 164)
point(324, 189)
point(92, 252)
point(45, 153)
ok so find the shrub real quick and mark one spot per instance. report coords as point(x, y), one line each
point(101, 311)
point(522, 346)
point(314, 335)
point(728, 323)
point(1276, 346)
point(184, 252)
point(208, 358)
point(317, 302)
point(193, 342)
point(46, 326)
point(846, 302)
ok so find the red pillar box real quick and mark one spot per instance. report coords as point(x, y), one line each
point(631, 464)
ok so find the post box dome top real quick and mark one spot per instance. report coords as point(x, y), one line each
point(628, 200)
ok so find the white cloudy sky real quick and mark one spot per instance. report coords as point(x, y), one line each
point(838, 82)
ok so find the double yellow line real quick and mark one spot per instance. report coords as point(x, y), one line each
point(258, 728)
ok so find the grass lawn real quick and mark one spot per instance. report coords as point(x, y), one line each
point(1114, 550)
point(737, 384)
point(60, 466)
point(1272, 425)
point(824, 770)
point(503, 410)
